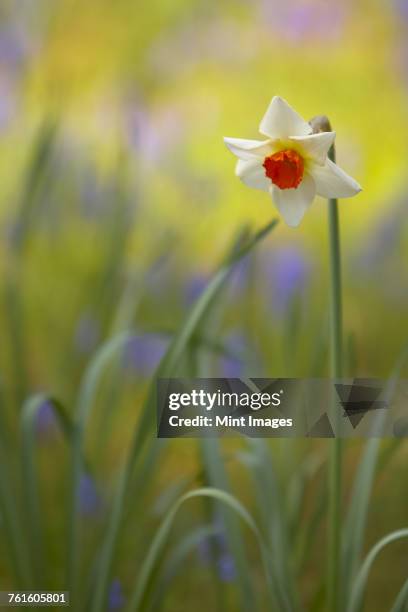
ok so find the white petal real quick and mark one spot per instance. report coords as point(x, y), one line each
point(316, 146)
point(248, 149)
point(332, 182)
point(252, 173)
point(281, 121)
point(293, 203)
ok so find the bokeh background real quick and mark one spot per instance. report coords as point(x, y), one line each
point(118, 200)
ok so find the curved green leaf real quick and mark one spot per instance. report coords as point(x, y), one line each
point(186, 546)
point(31, 483)
point(30, 476)
point(160, 539)
point(401, 603)
point(86, 400)
point(357, 593)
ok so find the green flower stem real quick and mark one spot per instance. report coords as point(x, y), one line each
point(335, 453)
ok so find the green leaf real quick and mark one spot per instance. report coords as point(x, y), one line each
point(178, 556)
point(86, 400)
point(217, 477)
point(31, 484)
point(274, 520)
point(356, 519)
point(30, 475)
point(143, 431)
point(35, 181)
point(13, 528)
point(159, 541)
point(401, 602)
point(357, 593)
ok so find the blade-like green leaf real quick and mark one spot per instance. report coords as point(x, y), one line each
point(401, 602)
point(14, 529)
point(357, 593)
point(273, 519)
point(86, 400)
point(33, 184)
point(31, 485)
point(217, 477)
point(178, 556)
point(160, 539)
point(356, 519)
point(35, 181)
point(166, 368)
point(30, 475)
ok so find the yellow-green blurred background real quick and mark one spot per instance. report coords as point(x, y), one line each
point(153, 89)
point(118, 200)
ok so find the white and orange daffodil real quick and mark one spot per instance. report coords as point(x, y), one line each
point(292, 164)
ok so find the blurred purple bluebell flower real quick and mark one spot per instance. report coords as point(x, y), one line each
point(240, 277)
point(46, 424)
point(233, 366)
point(194, 287)
point(13, 231)
point(226, 568)
point(94, 195)
point(286, 272)
point(214, 549)
point(142, 135)
point(90, 500)
point(143, 353)
point(401, 60)
point(8, 102)
point(204, 551)
point(401, 7)
point(116, 598)
point(304, 19)
point(151, 133)
point(215, 40)
point(87, 333)
point(15, 46)
point(383, 242)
